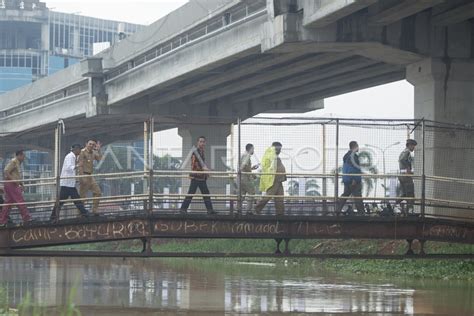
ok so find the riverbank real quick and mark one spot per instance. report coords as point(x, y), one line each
point(454, 269)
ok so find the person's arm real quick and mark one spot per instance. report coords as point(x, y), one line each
point(357, 163)
point(80, 163)
point(403, 161)
point(195, 166)
point(7, 171)
point(97, 154)
point(70, 164)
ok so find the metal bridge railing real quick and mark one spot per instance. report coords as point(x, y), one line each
point(143, 202)
point(442, 189)
point(211, 27)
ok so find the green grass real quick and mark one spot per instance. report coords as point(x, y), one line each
point(30, 308)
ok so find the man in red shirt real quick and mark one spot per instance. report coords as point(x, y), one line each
point(198, 180)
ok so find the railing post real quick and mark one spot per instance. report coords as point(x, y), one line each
point(57, 162)
point(423, 171)
point(336, 177)
point(150, 165)
point(239, 168)
point(325, 191)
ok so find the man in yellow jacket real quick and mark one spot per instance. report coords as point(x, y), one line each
point(272, 179)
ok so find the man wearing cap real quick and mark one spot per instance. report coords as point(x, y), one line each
point(87, 157)
point(407, 185)
point(68, 184)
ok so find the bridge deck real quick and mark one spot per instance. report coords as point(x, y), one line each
point(100, 229)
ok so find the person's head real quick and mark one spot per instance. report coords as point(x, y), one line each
point(353, 146)
point(90, 145)
point(76, 149)
point(249, 149)
point(201, 142)
point(277, 146)
point(411, 144)
point(20, 155)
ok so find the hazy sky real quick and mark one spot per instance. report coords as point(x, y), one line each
point(139, 11)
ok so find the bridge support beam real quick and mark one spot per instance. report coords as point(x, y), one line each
point(444, 92)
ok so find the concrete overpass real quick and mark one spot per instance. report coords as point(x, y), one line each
point(236, 58)
point(226, 59)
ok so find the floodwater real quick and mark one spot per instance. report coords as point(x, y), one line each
point(218, 287)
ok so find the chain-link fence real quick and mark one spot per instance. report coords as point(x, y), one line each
point(143, 174)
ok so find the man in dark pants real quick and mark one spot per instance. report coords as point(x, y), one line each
point(407, 186)
point(68, 183)
point(351, 178)
point(198, 180)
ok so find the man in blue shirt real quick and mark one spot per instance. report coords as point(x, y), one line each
point(351, 178)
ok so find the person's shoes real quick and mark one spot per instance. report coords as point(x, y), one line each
point(28, 221)
point(183, 212)
point(95, 213)
point(211, 212)
point(249, 213)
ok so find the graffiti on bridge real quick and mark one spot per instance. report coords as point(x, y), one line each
point(82, 232)
point(449, 232)
point(243, 228)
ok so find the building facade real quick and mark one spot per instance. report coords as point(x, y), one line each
point(36, 42)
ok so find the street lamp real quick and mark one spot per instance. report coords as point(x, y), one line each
point(383, 150)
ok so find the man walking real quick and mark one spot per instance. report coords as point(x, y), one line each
point(351, 178)
point(68, 183)
point(87, 157)
point(272, 179)
point(14, 189)
point(198, 180)
point(407, 186)
point(247, 179)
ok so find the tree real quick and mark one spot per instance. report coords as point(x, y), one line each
point(172, 181)
point(312, 188)
point(293, 187)
point(366, 163)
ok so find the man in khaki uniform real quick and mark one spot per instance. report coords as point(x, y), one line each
point(247, 180)
point(86, 167)
point(407, 186)
point(276, 189)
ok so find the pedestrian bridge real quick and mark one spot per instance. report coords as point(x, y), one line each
point(144, 204)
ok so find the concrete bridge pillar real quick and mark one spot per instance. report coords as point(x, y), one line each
point(444, 92)
point(215, 154)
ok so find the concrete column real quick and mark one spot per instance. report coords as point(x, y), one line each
point(44, 48)
point(444, 92)
point(76, 49)
point(215, 154)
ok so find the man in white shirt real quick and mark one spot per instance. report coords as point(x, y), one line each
point(68, 183)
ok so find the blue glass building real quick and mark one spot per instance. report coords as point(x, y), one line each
point(36, 42)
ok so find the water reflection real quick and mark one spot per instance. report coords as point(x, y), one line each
point(125, 287)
